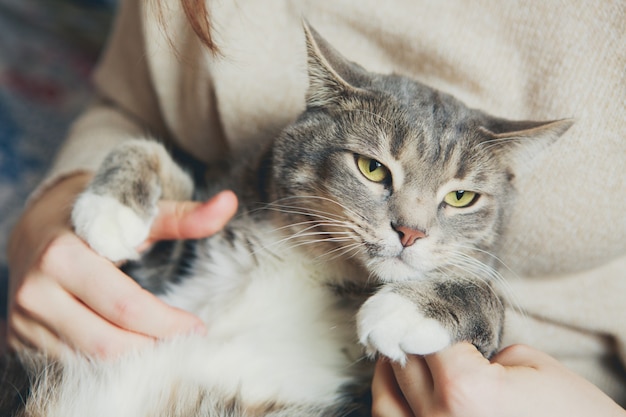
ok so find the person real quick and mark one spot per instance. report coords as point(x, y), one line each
point(213, 78)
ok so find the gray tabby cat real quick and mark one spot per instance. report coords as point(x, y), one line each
point(370, 222)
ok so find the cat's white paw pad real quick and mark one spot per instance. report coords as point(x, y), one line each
point(393, 326)
point(111, 229)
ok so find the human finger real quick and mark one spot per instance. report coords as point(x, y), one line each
point(387, 397)
point(110, 293)
point(193, 220)
point(24, 333)
point(416, 383)
point(523, 355)
point(458, 359)
point(76, 328)
point(465, 382)
point(50, 319)
point(81, 328)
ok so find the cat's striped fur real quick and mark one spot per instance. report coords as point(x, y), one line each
point(324, 259)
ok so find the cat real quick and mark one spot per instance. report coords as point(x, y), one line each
point(367, 228)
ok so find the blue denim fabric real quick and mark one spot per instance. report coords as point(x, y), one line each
point(47, 51)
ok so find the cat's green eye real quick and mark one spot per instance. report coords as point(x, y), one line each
point(372, 169)
point(460, 198)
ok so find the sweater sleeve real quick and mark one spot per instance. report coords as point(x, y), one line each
point(125, 105)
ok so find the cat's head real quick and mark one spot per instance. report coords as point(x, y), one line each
point(393, 174)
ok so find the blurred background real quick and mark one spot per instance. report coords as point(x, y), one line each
point(48, 49)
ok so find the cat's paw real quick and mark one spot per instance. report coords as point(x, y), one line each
point(392, 325)
point(111, 229)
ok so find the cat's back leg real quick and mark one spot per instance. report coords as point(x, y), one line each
point(114, 214)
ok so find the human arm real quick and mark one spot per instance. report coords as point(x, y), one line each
point(126, 106)
point(459, 381)
point(63, 294)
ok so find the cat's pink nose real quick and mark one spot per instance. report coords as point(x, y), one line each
point(408, 236)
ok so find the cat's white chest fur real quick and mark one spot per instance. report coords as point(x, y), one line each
point(275, 333)
point(274, 329)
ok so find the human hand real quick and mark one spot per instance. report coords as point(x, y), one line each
point(459, 381)
point(64, 294)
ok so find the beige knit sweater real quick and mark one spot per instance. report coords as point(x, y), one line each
point(517, 59)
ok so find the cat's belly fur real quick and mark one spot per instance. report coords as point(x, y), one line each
point(281, 336)
point(275, 330)
point(276, 335)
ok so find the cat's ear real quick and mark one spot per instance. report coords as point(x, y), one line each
point(521, 141)
point(504, 129)
point(331, 75)
point(508, 135)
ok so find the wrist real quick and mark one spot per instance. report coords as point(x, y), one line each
point(47, 212)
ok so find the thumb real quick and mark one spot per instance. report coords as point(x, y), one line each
point(523, 356)
point(193, 220)
point(454, 361)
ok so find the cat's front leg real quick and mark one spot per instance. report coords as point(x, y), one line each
point(114, 214)
point(423, 317)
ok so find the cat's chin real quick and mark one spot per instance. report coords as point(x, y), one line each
point(394, 270)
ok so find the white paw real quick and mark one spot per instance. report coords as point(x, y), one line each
point(393, 326)
point(111, 229)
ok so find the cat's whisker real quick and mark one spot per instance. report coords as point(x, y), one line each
point(475, 276)
point(334, 237)
point(498, 276)
point(309, 224)
point(306, 209)
point(479, 270)
point(301, 211)
point(326, 199)
point(468, 265)
point(328, 217)
point(309, 231)
point(315, 228)
point(372, 279)
point(321, 231)
point(320, 220)
point(474, 267)
point(502, 281)
point(492, 143)
point(371, 113)
point(316, 241)
point(300, 239)
point(343, 251)
point(491, 255)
